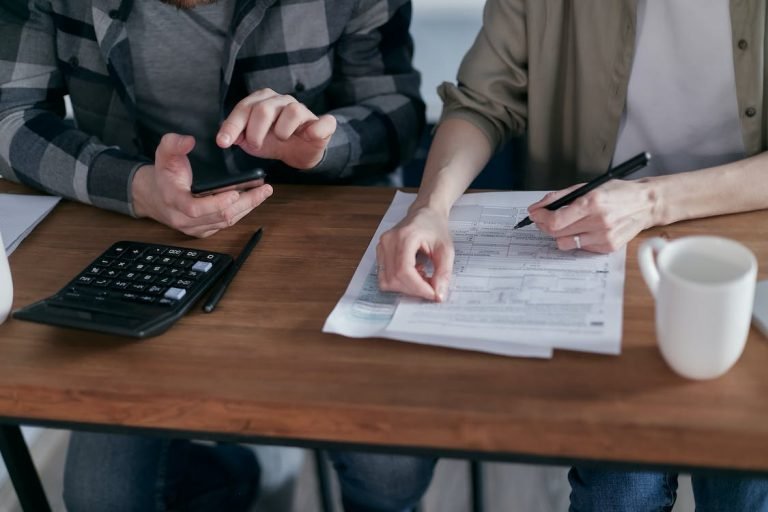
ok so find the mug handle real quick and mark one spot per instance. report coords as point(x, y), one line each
point(648, 264)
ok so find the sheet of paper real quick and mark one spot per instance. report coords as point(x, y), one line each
point(365, 311)
point(515, 286)
point(19, 214)
point(512, 293)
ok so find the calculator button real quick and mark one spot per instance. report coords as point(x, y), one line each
point(85, 280)
point(166, 260)
point(174, 272)
point(130, 276)
point(130, 296)
point(111, 273)
point(193, 274)
point(94, 271)
point(121, 264)
point(165, 281)
point(137, 287)
point(184, 283)
point(147, 278)
point(155, 290)
point(146, 299)
point(149, 258)
point(209, 257)
point(101, 282)
point(184, 263)
point(104, 262)
point(116, 251)
point(191, 254)
point(120, 285)
point(140, 267)
point(133, 253)
point(175, 252)
point(167, 302)
point(175, 293)
point(156, 269)
point(202, 266)
point(83, 291)
point(157, 251)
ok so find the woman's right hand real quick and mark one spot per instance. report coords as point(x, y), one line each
point(423, 231)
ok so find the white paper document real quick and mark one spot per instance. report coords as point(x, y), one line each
point(512, 292)
point(19, 214)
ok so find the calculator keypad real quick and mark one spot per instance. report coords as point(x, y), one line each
point(145, 274)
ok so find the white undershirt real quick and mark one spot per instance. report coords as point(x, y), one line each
point(681, 103)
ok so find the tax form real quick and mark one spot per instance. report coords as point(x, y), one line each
point(512, 292)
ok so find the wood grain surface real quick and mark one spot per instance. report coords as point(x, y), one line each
point(259, 365)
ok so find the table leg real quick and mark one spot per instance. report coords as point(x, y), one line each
point(476, 473)
point(22, 470)
point(323, 481)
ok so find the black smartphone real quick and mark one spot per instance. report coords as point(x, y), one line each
point(207, 181)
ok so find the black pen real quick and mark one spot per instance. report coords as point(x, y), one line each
point(223, 284)
point(633, 164)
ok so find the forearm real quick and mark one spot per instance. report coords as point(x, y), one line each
point(48, 154)
point(38, 147)
point(459, 152)
point(735, 187)
point(373, 136)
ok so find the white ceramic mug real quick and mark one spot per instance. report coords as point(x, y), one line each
point(704, 288)
point(6, 284)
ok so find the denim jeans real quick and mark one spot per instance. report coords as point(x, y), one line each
point(639, 491)
point(380, 482)
point(124, 473)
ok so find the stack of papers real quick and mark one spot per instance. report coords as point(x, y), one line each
point(512, 293)
point(19, 214)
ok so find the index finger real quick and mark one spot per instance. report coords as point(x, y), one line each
point(553, 196)
point(237, 120)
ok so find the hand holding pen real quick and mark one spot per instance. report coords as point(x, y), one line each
point(602, 215)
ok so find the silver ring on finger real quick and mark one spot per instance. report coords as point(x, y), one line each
point(577, 241)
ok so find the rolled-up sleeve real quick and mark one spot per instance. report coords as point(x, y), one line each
point(492, 87)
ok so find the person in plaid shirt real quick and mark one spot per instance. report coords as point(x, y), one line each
point(312, 91)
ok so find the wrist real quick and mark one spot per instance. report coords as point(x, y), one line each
point(655, 197)
point(432, 205)
point(140, 187)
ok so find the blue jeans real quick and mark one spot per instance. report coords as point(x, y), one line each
point(126, 473)
point(380, 482)
point(121, 473)
point(635, 491)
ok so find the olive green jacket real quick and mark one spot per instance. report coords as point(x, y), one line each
point(558, 70)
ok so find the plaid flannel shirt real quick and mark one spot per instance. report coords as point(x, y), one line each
point(350, 58)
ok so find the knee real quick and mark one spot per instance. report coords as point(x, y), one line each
point(382, 483)
point(594, 489)
point(103, 472)
point(730, 492)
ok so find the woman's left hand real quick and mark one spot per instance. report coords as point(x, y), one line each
point(603, 220)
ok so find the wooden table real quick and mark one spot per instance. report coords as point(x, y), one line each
point(259, 368)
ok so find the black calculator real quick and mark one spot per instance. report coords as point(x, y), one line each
point(133, 289)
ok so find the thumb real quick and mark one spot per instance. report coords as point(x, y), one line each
point(320, 129)
point(171, 153)
point(442, 259)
